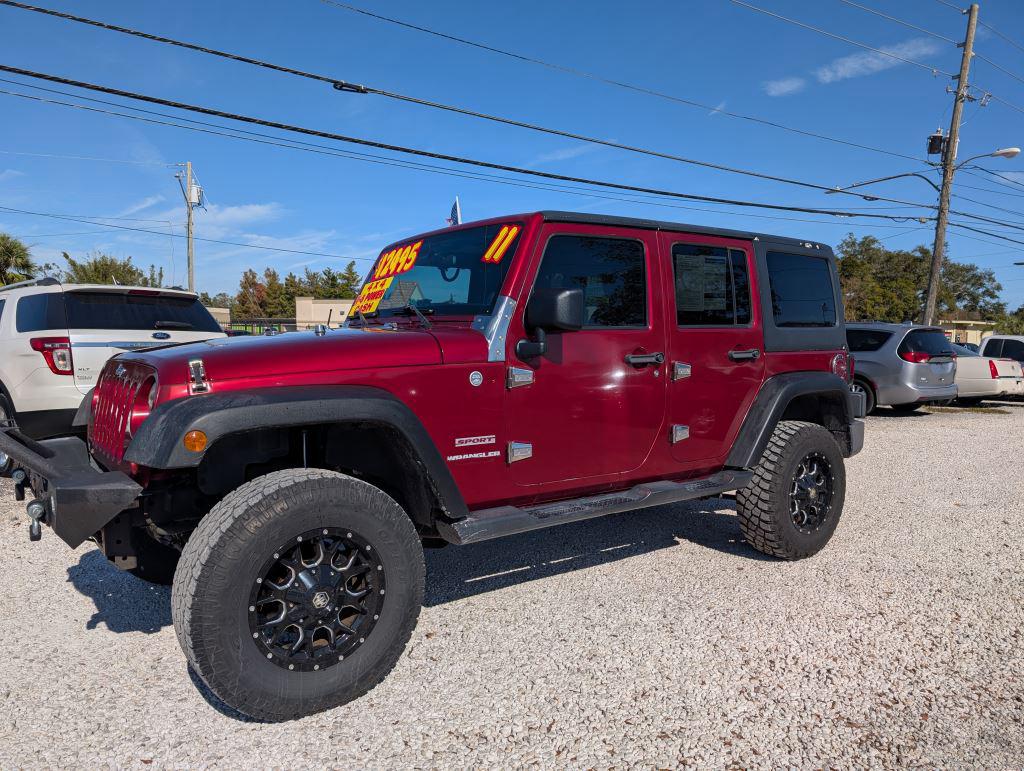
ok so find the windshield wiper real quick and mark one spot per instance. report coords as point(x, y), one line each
point(411, 309)
point(172, 325)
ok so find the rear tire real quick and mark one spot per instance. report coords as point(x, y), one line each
point(862, 386)
point(314, 547)
point(791, 507)
point(906, 409)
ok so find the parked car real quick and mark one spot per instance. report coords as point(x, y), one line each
point(902, 366)
point(1004, 347)
point(973, 347)
point(497, 377)
point(983, 377)
point(55, 339)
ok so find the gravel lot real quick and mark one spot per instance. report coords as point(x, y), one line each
point(654, 638)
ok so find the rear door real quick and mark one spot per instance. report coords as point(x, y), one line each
point(930, 357)
point(587, 413)
point(104, 321)
point(715, 356)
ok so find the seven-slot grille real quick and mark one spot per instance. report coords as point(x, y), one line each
point(113, 402)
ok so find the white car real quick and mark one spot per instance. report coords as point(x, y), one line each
point(55, 339)
point(985, 377)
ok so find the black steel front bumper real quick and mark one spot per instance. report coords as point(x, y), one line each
point(79, 497)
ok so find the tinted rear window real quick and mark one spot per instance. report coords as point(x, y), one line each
point(866, 340)
point(113, 310)
point(962, 351)
point(801, 287)
point(930, 341)
point(38, 312)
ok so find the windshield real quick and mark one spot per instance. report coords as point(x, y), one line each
point(457, 273)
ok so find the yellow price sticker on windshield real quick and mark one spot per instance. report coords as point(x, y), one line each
point(373, 292)
point(397, 261)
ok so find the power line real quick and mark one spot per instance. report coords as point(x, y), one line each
point(948, 4)
point(899, 21)
point(443, 156)
point(999, 67)
point(996, 32)
point(174, 235)
point(617, 83)
point(382, 160)
point(343, 85)
point(851, 41)
point(999, 176)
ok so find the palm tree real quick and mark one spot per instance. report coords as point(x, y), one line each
point(15, 261)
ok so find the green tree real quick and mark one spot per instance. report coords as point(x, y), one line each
point(250, 300)
point(106, 269)
point(351, 280)
point(275, 297)
point(968, 291)
point(219, 300)
point(15, 261)
point(1011, 323)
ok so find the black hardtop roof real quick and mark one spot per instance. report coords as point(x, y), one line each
point(646, 224)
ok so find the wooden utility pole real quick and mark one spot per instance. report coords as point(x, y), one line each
point(188, 228)
point(949, 167)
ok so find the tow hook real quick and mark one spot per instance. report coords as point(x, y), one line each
point(36, 512)
point(19, 476)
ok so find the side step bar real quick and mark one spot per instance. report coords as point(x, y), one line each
point(508, 520)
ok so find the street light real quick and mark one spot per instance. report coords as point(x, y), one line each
point(1004, 152)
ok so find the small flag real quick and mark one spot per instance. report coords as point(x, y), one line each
point(455, 218)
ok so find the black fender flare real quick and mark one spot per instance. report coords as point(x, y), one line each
point(158, 442)
point(774, 397)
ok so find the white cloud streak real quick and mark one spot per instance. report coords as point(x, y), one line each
point(784, 86)
point(869, 62)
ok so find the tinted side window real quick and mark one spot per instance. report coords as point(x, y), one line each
point(992, 348)
point(2, 309)
point(36, 312)
point(610, 271)
point(866, 340)
point(801, 287)
point(712, 285)
point(1013, 349)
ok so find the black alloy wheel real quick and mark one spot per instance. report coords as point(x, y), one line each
point(317, 599)
point(810, 499)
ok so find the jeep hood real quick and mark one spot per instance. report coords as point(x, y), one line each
point(294, 353)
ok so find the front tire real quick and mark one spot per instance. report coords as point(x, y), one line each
point(791, 507)
point(298, 592)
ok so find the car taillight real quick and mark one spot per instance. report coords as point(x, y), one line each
point(842, 367)
point(993, 370)
point(56, 352)
point(915, 357)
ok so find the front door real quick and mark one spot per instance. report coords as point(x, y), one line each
point(594, 409)
point(716, 358)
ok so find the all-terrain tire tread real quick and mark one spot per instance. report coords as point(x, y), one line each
point(210, 535)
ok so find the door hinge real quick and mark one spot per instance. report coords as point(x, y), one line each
point(679, 433)
point(681, 370)
point(518, 376)
point(519, 451)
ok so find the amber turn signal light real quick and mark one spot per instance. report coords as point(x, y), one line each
point(195, 441)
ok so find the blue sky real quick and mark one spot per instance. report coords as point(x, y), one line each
point(712, 52)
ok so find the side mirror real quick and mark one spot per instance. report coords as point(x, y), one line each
point(550, 309)
point(555, 309)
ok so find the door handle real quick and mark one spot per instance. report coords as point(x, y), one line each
point(643, 359)
point(752, 355)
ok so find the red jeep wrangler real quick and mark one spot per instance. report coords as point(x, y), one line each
point(492, 378)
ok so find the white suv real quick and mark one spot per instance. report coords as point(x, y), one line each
point(55, 339)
